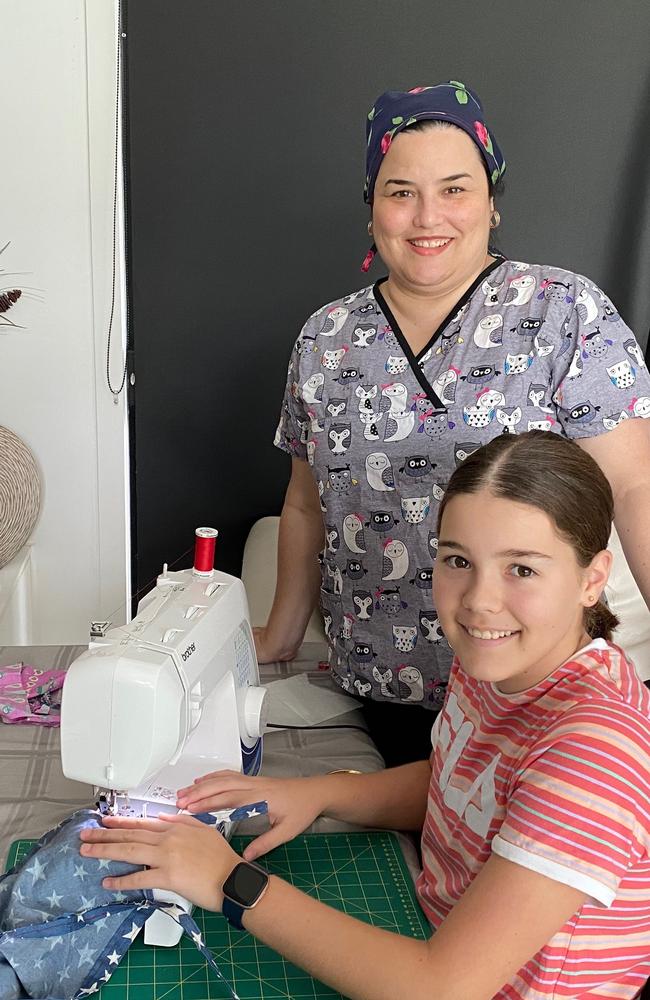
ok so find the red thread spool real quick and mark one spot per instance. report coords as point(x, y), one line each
point(206, 539)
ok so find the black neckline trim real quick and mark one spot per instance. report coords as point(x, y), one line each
point(414, 359)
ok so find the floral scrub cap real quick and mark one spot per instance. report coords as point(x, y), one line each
point(451, 102)
point(62, 934)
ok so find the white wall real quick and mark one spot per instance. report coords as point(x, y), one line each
point(58, 84)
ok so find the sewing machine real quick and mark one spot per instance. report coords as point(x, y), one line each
point(171, 696)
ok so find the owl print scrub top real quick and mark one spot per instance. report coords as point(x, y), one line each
point(527, 347)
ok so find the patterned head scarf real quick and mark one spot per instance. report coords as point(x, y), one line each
point(448, 102)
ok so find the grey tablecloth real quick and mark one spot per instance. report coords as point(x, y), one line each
point(35, 795)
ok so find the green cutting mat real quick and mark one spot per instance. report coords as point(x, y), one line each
point(363, 874)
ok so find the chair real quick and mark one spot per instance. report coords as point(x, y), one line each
point(259, 574)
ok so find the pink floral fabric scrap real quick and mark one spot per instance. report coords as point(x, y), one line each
point(30, 695)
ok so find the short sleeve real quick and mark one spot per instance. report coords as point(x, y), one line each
point(292, 431)
point(577, 811)
point(601, 376)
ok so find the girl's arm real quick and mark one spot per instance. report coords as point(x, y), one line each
point(393, 799)
point(504, 918)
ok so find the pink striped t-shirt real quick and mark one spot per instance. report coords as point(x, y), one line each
point(557, 779)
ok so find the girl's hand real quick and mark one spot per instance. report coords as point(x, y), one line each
point(294, 803)
point(269, 650)
point(181, 854)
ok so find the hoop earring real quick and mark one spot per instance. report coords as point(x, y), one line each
point(495, 219)
point(370, 228)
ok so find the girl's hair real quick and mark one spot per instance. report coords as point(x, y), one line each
point(555, 475)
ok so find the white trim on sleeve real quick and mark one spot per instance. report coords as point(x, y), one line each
point(596, 890)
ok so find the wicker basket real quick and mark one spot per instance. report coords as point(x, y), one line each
point(20, 494)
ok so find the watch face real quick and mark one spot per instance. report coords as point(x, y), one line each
point(245, 884)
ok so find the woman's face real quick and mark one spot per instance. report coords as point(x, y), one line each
point(431, 210)
point(509, 591)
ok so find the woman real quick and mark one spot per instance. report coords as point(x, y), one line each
point(392, 386)
point(534, 804)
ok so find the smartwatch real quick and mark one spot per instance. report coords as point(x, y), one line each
point(242, 890)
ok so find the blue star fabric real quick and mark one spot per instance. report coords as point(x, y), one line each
point(62, 935)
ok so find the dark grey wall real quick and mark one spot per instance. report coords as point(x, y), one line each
point(245, 159)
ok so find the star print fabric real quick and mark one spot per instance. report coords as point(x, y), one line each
point(62, 935)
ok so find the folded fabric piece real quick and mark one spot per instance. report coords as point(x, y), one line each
point(62, 935)
point(28, 694)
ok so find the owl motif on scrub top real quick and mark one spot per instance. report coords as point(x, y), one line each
point(396, 365)
point(364, 335)
point(332, 359)
point(312, 389)
point(379, 472)
point(336, 407)
point(594, 345)
point(528, 327)
point(423, 577)
point(405, 637)
point(489, 332)
point(334, 321)
point(435, 424)
point(508, 417)
point(338, 438)
point(364, 604)
point(332, 539)
point(381, 521)
point(366, 394)
point(583, 413)
point(411, 686)
point(415, 509)
point(635, 352)
point(622, 374)
point(430, 627)
point(517, 364)
point(463, 450)
point(523, 288)
point(355, 570)
point(395, 563)
point(390, 602)
point(385, 680)
point(353, 533)
point(417, 467)
point(340, 480)
point(362, 652)
point(478, 416)
point(614, 419)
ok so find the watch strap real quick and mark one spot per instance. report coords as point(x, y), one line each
point(233, 913)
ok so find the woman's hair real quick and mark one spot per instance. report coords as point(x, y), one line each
point(424, 124)
point(555, 475)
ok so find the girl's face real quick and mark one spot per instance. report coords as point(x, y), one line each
point(509, 591)
point(431, 210)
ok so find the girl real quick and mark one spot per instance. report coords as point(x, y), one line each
point(534, 804)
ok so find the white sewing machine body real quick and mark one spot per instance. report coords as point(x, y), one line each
point(173, 695)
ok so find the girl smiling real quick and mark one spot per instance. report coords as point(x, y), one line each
point(533, 805)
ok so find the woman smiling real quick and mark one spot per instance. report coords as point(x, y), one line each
point(392, 386)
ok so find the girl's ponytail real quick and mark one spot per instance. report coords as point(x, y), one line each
point(600, 622)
